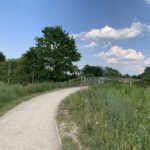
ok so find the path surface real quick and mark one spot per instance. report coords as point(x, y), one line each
point(31, 125)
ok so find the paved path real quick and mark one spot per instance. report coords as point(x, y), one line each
point(31, 125)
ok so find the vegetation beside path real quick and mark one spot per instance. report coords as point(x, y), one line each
point(109, 116)
point(11, 95)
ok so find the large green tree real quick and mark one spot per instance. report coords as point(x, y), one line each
point(2, 67)
point(110, 72)
point(33, 65)
point(53, 56)
point(92, 71)
point(13, 71)
point(146, 75)
point(2, 57)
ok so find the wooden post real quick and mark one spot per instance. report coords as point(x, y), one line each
point(130, 82)
point(81, 81)
point(99, 80)
point(84, 81)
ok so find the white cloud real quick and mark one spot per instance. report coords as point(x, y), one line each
point(90, 45)
point(120, 53)
point(105, 36)
point(106, 44)
point(131, 60)
point(79, 36)
point(108, 32)
point(147, 1)
point(101, 44)
point(147, 62)
point(111, 33)
point(148, 27)
point(112, 61)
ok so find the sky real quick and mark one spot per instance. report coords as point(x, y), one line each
point(114, 33)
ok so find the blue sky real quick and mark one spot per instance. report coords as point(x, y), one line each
point(113, 33)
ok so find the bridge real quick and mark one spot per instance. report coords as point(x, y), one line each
point(86, 80)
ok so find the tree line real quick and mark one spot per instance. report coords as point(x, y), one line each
point(52, 59)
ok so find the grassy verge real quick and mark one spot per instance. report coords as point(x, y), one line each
point(108, 117)
point(11, 95)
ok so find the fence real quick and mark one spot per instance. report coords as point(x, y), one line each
point(85, 81)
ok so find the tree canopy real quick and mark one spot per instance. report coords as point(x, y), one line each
point(110, 72)
point(2, 57)
point(146, 75)
point(53, 56)
point(92, 71)
point(98, 71)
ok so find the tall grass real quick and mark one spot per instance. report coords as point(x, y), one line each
point(111, 117)
point(11, 95)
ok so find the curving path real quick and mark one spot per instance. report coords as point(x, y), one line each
point(31, 125)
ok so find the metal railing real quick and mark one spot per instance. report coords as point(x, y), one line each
point(86, 80)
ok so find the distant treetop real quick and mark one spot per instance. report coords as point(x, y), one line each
point(2, 57)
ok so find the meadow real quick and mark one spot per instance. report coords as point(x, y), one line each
point(108, 117)
point(11, 95)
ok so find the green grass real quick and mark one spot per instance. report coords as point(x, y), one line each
point(11, 95)
point(110, 117)
point(68, 144)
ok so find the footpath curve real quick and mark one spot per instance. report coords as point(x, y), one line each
point(31, 125)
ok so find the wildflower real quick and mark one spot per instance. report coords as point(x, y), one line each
point(86, 101)
point(97, 122)
point(141, 126)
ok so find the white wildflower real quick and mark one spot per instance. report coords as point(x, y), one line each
point(97, 122)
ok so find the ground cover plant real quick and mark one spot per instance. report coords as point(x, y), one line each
point(110, 116)
point(11, 95)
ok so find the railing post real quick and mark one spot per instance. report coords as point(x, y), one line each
point(81, 81)
point(99, 80)
point(131, 82)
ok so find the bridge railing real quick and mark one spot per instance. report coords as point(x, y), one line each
point(86, 80)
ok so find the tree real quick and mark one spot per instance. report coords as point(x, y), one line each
point(3, 67)
point(146, 75)
point(53, 56)
point(12, 71)
point(2, 57)
point(92, 71)
point(110, 72)
point(127, 76)
point(16, 71)
point(32, 64)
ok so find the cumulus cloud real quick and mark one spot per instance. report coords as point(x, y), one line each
point(120, 53)
point(112, 61)
point(111, 33)
point(102, 44)
point(105, 36)
point(108, 32)
point(147, 62)
point(130, 59)
point(147, 1)
point(90, 45)
point(79, 36)
point(106, 44)
point(148, 27)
